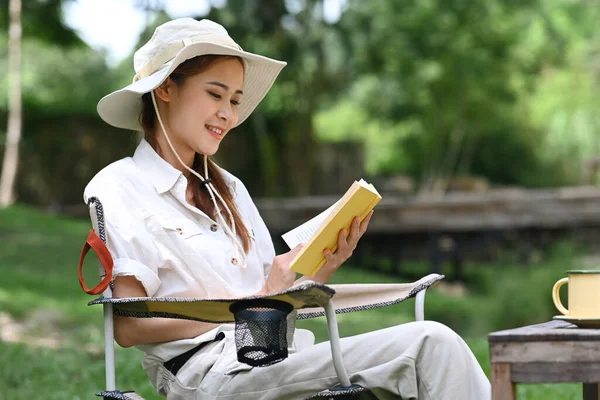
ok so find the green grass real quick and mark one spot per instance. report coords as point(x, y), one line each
point(39, 288)
point(29, 372)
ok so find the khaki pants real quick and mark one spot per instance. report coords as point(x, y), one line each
point(418, 360)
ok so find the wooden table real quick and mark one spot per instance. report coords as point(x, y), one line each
point(555, 351)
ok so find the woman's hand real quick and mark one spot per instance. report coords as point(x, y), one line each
point(346, 245)
point(281, 277)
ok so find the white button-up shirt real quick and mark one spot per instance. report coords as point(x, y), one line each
point(170, 246)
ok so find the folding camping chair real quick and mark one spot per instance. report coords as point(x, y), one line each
point(260, 321)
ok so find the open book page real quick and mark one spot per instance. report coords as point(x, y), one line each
point(304, 232)
point(368, 186)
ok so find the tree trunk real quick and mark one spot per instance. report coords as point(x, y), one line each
point(11, 152)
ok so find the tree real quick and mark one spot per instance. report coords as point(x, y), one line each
point(13, 137)
point(444, 79)
point(41, 20)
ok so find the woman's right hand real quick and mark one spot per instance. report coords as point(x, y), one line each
point(281, 277)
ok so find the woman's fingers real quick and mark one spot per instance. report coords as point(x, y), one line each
point(281, 276)
point(345, 246)
point(294, 252)
point(365, 223)
point(330, 258)
point(354, 232)
point(347, 241)
point(343, 242)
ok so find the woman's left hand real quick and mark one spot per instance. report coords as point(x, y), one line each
point(346, 245)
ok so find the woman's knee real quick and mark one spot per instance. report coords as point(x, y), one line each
point(440, 333)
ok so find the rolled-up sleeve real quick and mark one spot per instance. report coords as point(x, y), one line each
point(134, 255)
point(130, 267)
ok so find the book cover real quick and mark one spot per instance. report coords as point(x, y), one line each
point(322, 231)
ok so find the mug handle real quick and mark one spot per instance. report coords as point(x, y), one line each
point(556, 296)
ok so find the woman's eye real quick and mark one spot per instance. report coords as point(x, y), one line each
point(235, 102)
point(216, 96)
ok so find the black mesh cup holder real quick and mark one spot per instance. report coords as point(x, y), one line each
point(261, 331)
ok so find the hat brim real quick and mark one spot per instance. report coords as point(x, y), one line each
point(122, 107)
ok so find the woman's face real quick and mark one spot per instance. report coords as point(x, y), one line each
point(201, 110)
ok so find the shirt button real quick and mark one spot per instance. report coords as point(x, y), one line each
point(214, 227)
point(179, 230)
point(234, 261)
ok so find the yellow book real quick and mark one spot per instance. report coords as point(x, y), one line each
point(322, 232)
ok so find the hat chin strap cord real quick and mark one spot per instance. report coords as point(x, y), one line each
point(231, 231)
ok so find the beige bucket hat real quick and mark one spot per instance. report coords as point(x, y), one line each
point(173, 43)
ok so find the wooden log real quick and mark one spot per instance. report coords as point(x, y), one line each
point(494, 210)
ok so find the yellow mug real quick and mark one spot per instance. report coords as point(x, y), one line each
point(584, 294)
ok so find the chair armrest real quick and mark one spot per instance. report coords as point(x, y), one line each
point(307, 294)
point(357, 297)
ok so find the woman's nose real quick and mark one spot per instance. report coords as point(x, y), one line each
point(225, 112)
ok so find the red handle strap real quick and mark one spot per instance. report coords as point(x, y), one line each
point(94, 242)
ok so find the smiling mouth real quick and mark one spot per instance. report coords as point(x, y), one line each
point(214, 129)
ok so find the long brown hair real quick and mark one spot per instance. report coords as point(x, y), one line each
point(195, 188)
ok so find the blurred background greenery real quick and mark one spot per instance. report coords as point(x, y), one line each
point(433, 95)
point(501, 90)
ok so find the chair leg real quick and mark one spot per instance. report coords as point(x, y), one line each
point(109, 348)
point(336, 348)
point(98, 224)
point(420, 306)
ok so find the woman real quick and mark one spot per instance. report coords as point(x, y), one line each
point(179, 225)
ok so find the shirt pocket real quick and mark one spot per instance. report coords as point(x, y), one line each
point(180, 235)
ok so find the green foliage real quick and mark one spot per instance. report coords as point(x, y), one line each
point(58, 80)
point(470, 88)
point(63, 81)
point(566, 101)
point(348, 121)
point(438, 74)
point(62, 133)
point(42, 20)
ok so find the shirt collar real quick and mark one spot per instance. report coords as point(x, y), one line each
point(162, 174)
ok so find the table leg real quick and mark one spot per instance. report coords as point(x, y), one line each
point(503, 387)
point(590, 391)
